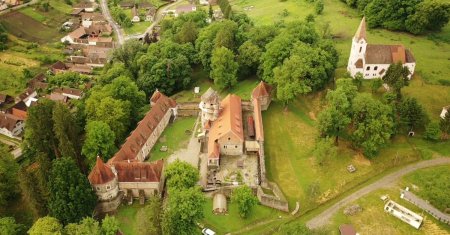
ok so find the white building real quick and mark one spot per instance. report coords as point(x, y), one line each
point(403, 214)
point(210, 107)
point(10, 125)
point(372, 60)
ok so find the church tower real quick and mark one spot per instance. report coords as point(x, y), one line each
point(357, 53)
point(210, 107)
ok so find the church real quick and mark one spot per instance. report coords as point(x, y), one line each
point(373, 60)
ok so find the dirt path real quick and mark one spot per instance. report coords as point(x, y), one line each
point(388, 180)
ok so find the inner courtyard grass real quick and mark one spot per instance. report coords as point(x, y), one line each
point(174, 137)
point(232, 222)
point(126, 215)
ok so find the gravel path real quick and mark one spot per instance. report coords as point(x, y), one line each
point(388, 180)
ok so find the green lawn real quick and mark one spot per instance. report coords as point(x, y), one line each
point(137, 28)
point(201, 79)
point(174, 137)
point(127, 218)
point(232, 222)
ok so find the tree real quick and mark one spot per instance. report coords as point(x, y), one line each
point(8, 177)
point(39, 134)
point(223, 68)
point(71, 196)
point(184, 209)
point(86, 226)
point(290, 79)
point(67, 132)
point(412, 114)
point(99, 142)
point(110, 225)
point(68, 79)
point(319, 7)
point(248, 57)
point(188, 33)
point(46, 225)
point(445, 125)
point(115, 113)
point(210, 11)
point(335, 118)
point(376, 85)
point(3, 38)
point(8, 226)
point(180, 174)
point(245, 199)
point(429, 15)
point(295, 228)
point(128, 54)
point(373, 124)
point(110, 73)
point(397, 77)
point(323, 151)
point(432, 131)
point(149, 218)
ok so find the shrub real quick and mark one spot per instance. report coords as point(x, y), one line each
point(432, 131)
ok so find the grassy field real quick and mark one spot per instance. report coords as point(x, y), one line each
point(232, 222)
point(127, 218)
point(137, 28)
point(383, 223)
point(174, 137)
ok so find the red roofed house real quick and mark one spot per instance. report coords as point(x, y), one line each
point(10, 125)
point(226, 135)
point(371, 60)
point(126, 170)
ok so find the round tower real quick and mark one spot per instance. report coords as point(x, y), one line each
point(104, 181)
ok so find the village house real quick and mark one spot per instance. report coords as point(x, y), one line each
point(13, 2)
point(86, 6)
point(88, 19)
point(20, 109)
point(3, 6)
point(58, 67)
point(126, 173)
point(57, 97)
point(28, 96)
point(70, 93)
point(444, 112)
point(372, 60)
point(184, 9)
point(150, 15)
point(89, 35)
point(81, 68)
point(38, 82)
point(135, 15)
point(10, 125)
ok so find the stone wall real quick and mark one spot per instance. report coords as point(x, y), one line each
point(272, 201)
point(188, 109)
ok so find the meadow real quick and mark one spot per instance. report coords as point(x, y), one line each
point(383, 223)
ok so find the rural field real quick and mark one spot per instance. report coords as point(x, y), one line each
point(33, 43)
point(383, 223)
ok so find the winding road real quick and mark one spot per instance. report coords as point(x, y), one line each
point(108, 17)
point(388, 180)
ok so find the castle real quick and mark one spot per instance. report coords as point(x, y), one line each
point(126, 174)
point(372, 60)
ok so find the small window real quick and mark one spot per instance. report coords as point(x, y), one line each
point(229, 138)
point(376, 67)
point(98, 188)
point(108, 187)
point(368, 68)
point(360, 49)
point(235, 146)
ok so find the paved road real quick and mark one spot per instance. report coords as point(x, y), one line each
point(115, 26)
point(388, 180)
point(158, 18)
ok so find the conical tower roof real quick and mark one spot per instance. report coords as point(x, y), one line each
point(361, 32)
point(101, 173)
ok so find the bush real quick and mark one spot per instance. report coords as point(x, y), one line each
point(432, 131)
point(319, 7)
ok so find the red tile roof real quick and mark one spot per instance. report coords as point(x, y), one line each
point(101, 173)
point(387, 54)
point(263, 89)
point(230, 120)
point(139, 171)
point(144, 129)
point(9, 121)
point(259, 131)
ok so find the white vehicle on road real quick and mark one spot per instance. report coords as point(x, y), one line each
point(207, 231)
